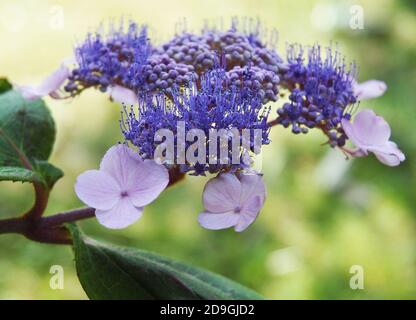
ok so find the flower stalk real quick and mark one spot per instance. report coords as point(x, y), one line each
point(51, 229)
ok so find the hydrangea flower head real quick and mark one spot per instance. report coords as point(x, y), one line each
point(214, 81)
point(122, 186)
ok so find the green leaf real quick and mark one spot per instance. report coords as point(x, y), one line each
point(27, 134)
point(26, 127)
point(110, 272)
point(19, 174)
point(49, 173)
point(5, 85)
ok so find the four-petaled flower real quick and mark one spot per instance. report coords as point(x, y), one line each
point(122, 186)
point(371, 133)
point(232, 200)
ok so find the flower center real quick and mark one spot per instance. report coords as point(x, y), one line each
point(237, 210)
point(124, 194)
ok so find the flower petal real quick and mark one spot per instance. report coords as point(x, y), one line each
point(149, 180)
point(97, 189)
point(122, 95)
point(48, 86)
point(252, 185)
point(349, 131)
point(142, 180)
point(249, 213)
point(391, 160)
point(217, 221)
point(28, 92)
point(123, 214)
point(55, 80)
point(367, 129)
point(361, 150)
point(222, 193)
point(120, 161)
point(369, 89)
point(389, 154)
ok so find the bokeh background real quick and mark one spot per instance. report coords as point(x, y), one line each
point(323, 214)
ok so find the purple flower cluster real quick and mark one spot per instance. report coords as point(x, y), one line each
point(214, 79)
point(113, 59)
point(241, 54)
point(263, 82)
point(189, 49)
point(161, 73)
point(321, 90)
point(126, 58)
point(210, 105)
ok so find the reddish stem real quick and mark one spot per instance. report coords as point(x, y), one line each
point(51, 229)
point(68, 216)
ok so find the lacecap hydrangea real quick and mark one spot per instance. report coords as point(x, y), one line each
point(212, 80)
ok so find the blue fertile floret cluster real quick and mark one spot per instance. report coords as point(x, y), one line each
point(212, 106)
point(321, 90)
point(215, 79)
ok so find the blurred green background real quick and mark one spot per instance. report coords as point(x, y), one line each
point(323, 214)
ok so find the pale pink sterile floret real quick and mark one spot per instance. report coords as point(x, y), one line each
point(369, 89)
point(371, 133)
point(122, 95)
point(232, 200)
point(49, 86)
point(123, 185)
